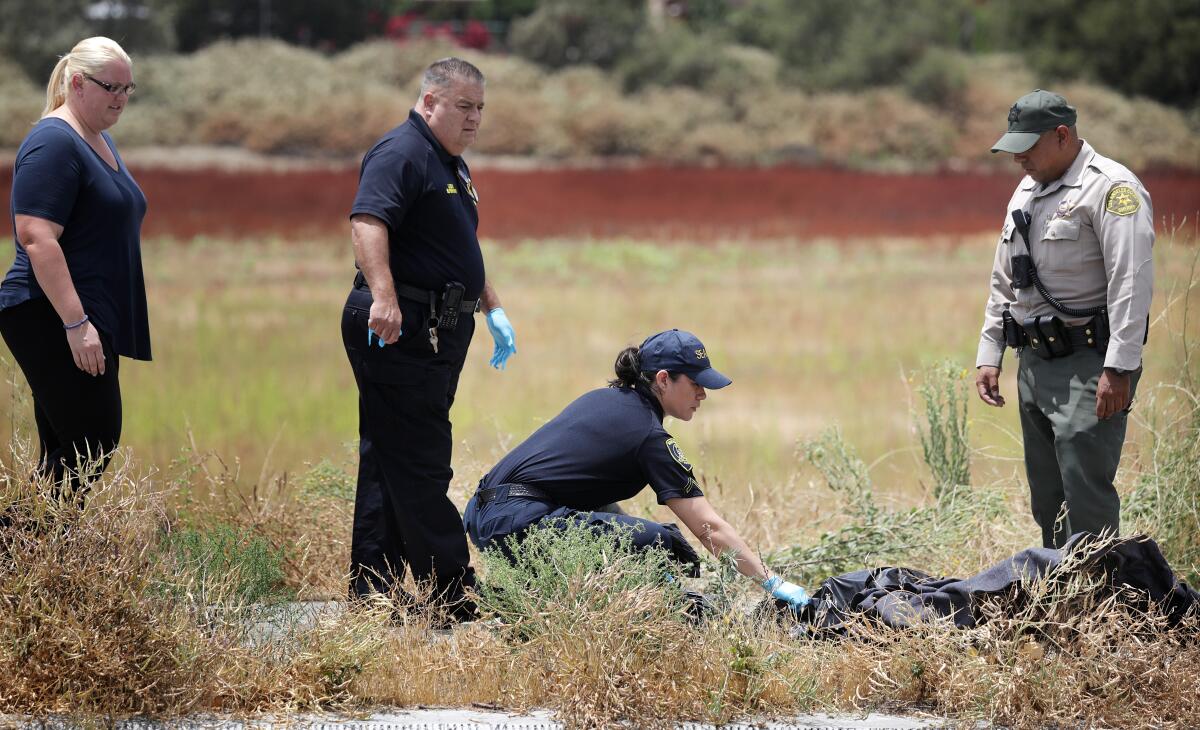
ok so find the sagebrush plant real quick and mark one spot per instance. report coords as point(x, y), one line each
point(944, 438)
point(876, 535)
point(220, 553)
point(550, 564)
point(600, 623)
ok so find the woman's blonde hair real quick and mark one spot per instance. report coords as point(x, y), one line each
point(89, 56)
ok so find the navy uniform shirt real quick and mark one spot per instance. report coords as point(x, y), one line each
point(605, 447)
point(421, 193)
point(59, 177)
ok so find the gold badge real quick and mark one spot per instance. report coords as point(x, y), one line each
point(450, 189)
point(677, 454)
point(1123, 200)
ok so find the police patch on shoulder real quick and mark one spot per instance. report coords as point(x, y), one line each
point(1122, 200)
point(677, 454)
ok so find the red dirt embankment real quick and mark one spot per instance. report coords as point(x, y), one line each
point(688, 204)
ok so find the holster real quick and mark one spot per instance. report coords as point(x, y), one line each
point(1014, 336)
point(1048, 336)
point(452, 299)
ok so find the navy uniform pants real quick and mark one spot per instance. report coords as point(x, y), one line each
point(78, 415)
point(1071, 456)
point(490, 525)
point(402, 514)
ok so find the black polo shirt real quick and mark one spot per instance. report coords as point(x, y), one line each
point(413, 185)
point(605, 447)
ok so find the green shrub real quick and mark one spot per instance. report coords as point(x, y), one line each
point(943, 435)
point(546, 580)
point(569, 32)
point(242, 565)
point(939, 77)
point(875, 535)
point(1150, 48)
point(672, 57)
point(830, 44)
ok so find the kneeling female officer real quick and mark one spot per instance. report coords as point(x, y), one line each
point(605, 447)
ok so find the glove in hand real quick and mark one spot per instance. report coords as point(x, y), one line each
point(503, 336)
point(790, 593)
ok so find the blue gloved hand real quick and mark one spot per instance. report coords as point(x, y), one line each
point(792, 594)
point(371, 334)
point(502, 335)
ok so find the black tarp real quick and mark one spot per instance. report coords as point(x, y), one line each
point(1133, 568)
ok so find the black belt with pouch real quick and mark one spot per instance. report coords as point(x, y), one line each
point(1050, 337)
point(444, 308)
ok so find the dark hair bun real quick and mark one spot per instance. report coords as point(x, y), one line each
point(628, 366)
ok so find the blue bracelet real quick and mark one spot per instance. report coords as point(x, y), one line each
point(77, 324)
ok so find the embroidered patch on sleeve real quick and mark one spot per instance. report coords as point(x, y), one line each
point(677, 454)
point(1123, 200)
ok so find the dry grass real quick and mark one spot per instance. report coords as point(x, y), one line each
point(102, 619)
point(104, 614)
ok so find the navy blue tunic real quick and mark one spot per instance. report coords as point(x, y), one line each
point(435, 242)
point(604, 447)
point(59, 177)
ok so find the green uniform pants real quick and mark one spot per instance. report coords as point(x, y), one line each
point(1071, 456)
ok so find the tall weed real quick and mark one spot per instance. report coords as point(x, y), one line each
point(943, 436)
point(877, 535)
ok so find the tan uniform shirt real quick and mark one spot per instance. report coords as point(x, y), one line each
point(1092, 233)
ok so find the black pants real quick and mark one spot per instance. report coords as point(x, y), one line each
point(78, 415)
point(402, 514)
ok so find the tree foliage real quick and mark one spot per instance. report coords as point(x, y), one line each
point(1141, 47)
point(567, 32)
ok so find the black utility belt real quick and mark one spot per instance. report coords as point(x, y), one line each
point(1050, 337)
point(444, 308)
point(483, 496)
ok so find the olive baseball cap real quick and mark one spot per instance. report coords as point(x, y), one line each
point(1036, 112)
point(677, 351)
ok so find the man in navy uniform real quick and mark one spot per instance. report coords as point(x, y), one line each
point(406, 327)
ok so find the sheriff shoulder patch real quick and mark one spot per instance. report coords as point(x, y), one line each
point(677, 454)
point(1123, 200)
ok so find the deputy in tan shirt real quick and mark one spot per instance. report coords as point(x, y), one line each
point(1090, 233)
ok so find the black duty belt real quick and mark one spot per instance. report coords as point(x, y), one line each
point(424, 296)
point(483, 496)
point(1082, 336)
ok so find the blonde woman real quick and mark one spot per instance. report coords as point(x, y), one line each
point(74, 299)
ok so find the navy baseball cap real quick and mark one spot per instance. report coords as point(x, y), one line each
point(677, 351)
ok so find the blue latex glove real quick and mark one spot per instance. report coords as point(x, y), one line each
point(371, 334)
point(792, 594)
point(502, 335)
